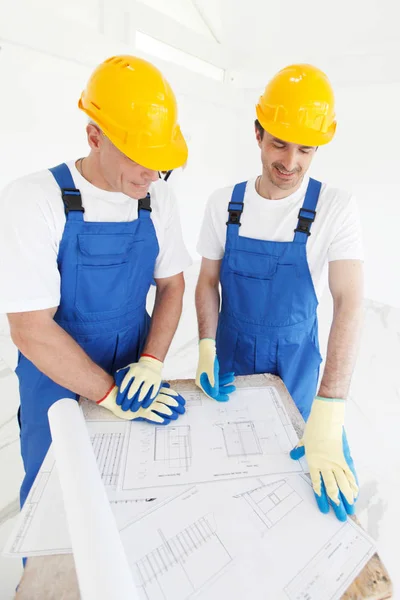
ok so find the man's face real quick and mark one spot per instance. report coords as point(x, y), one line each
point(285, 164)
point(120, 173)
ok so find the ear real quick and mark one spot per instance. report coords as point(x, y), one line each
point(258, 136)
point(94, 137)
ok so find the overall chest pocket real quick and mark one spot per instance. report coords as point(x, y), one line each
point(253, 288)
point(253, 265)
point(103, 271)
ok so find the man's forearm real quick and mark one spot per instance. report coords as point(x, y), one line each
point(54, 352)
point(207, 307)
point(342, 351)
point(164, 322)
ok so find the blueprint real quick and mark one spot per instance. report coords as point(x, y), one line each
point(250, 435)
point(42, 526)
point(268, 541)
point(304, 555)
point(273, 501)
point(251, 532)
point(245, 538)
point(188, 547)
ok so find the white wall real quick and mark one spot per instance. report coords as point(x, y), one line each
point(365, 158)
point(40, 125)
point(43, 69)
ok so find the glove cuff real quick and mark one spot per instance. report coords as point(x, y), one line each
point(106, 396)
point(207, 354)
point(207, 345)
point(151, 360)
point(330, 399)
point(327, 415)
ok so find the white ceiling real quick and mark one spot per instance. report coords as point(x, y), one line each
point(355, 41)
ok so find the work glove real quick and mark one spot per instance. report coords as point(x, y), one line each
point(166, 407)
point(325, 446)
point(208, 379)
point(138, 383)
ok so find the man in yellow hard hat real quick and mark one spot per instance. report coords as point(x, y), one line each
point(84, 241)
point(271, 242)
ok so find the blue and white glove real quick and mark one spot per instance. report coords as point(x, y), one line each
point(139, 383)
point(215, 386)
point(166, 407)
point(327, 451)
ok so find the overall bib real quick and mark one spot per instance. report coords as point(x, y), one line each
point(106, 271)
point(268, 319)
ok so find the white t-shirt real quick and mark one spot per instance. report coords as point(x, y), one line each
point(335, 233)
point(32, 224)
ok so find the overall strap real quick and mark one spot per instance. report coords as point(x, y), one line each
point(307, 212)
point(167, 175)
point(235, 209)
point(144, 207)
point(71, 196)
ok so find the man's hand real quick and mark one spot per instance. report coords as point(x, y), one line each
point(208, 379)
point(138, 383)
point(327, 452)
point(167, 406)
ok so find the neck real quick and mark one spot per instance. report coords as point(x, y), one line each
point(266, 189)
point(89, 169)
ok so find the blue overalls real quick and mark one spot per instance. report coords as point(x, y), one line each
point(106, 271)
point(268, 319)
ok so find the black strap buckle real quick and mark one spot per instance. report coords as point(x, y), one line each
point(235, 214)
point(304, 223)
point(145, 203)
point(72, 200)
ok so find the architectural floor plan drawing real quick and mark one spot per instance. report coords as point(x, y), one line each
point(271, 502)
point(107, 446)
point(42, 526)
point(193, 398)
point(235, 539)
point(241, 438)
point(303, 554)
point(248, 436)
point(186, 548)
point(172, 446)
point(193, 557)
point(242, 547)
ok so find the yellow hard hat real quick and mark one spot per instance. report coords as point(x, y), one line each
point(298, 106)
point(136, 109)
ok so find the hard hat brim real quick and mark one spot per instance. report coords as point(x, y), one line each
point(163, 158)
point(157, 158)
point(292, 134)
point(299, 136)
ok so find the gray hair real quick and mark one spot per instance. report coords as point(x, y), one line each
point(91, 122)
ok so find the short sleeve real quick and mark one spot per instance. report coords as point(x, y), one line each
point(173, 256)
point(211, 243)
point(348, 243)
point(29, 275)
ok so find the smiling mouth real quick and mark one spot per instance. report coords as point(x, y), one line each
point(285, 173)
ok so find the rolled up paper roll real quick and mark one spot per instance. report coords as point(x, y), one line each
point(101, 564)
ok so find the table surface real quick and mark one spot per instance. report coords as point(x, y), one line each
point(54, 578)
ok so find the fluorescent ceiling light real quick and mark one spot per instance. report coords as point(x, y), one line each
point(150, 45)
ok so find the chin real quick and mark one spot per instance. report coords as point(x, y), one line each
point(132, 190)
point(286, 185)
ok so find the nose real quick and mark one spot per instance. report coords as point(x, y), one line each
point(290, 158)
point(149, 175)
